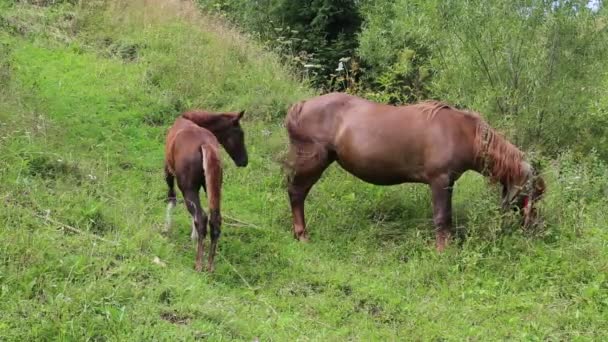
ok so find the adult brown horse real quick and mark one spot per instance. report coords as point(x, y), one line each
point(429, 143)
point(192, 156)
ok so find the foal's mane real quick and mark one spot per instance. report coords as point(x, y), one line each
point(202, 118)
point(499, 159)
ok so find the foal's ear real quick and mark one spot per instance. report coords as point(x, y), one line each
point(238, 118)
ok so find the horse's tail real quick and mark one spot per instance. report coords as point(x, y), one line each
point(291, 123)
point(303, 148)
point(212, 167)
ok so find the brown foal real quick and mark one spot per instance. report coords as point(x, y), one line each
point(192, 156)
point(429, 143)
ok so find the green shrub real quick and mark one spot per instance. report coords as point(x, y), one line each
point(534, 68)
point(311, 35)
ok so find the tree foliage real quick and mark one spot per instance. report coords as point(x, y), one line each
point(312, 34)
point(536, 66)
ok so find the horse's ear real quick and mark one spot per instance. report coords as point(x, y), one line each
point(240, 115)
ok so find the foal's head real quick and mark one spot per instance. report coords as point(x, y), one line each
point(230, 134)
point(227, 129)
point(524, 194)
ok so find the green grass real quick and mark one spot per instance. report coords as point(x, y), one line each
point(84, 105)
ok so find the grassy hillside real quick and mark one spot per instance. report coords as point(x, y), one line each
point(86, 95)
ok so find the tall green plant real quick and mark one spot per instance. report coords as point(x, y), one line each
point(535, 66)
point(313, 35)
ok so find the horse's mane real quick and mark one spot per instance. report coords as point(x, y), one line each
point(432, 107)
point(500, 159)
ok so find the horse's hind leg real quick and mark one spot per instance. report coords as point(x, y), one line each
point(171, 198)
point(308, 166)
point(199, 224)
point(441, 189)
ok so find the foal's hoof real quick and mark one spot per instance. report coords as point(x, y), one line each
point(441, 245)
point(303, 238)
point(198, 268)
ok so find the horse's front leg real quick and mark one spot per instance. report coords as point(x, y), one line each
point(441, 189)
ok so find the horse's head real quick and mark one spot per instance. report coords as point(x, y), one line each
point(230, 134)
point(524, 194)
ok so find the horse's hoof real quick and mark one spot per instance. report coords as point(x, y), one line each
point(198, 268)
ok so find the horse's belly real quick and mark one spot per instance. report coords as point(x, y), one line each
point(381, 156)
point(380, 173)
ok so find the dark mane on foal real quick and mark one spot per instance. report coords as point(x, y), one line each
point(202, 118)
point(197, 113)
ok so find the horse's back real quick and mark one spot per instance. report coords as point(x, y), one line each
point(318, 118)
point(385, 144)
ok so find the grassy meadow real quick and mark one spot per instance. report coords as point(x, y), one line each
point(87, 92)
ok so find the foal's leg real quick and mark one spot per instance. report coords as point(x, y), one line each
point(441, 189)
point(199, 224)
point(171, 198)
point(215, 222)
point(306, 173)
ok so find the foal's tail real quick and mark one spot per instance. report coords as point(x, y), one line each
point(171, 199)
point(212, 167)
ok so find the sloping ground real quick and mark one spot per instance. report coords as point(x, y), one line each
point(87, 94)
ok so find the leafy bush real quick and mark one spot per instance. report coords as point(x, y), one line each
point(312, 35)
point(535, 66)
